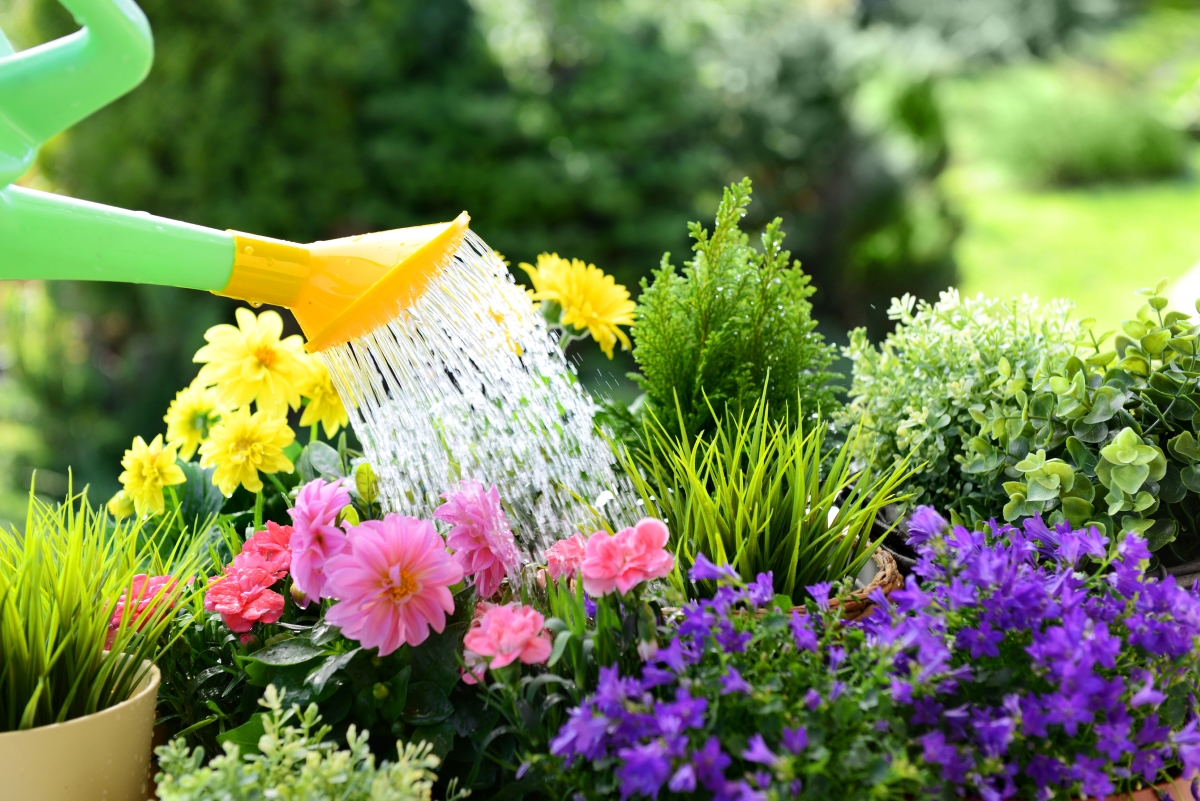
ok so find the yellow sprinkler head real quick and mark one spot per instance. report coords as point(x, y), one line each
point(341, 289)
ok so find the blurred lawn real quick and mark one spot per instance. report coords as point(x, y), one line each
point(1095, 246)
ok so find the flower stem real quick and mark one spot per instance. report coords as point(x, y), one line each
point(258, 510)
point(312, 433)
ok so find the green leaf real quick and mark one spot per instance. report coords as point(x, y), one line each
point(325, 461)
point(1156, 343)
point(1103, 407)
point(1085, 460)
point(322, 674)
point(1190, 477)
point(289, 652)
point(199, 498)
point(246, 736)
point(1130, 477)
point(426, 703)
point(560, 646)
point(1184, 447)
point(1077, 510)
point(393, 706)
point(440, 736)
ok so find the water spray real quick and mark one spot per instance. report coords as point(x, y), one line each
point(447, 370)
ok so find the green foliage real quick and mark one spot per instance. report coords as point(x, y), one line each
point(761, 494)
point(737, 320)
point(1109, 437)
point(924, 392)
point(1073, 126)
point(295, 762)
point(59, 583)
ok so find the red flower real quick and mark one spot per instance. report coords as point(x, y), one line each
point(243, 595)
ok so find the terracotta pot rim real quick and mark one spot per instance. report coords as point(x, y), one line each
point(149, 684)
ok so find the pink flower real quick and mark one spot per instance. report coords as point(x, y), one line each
point(243, 595)
point(147, 591)
point(391, 583)
point(508, 633)
point(565, 557)
point(482, 541)
point(315, 538)
point(627, 558)
point(272, 544)
point(475, 665)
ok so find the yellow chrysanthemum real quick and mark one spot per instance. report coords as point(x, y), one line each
point(189, 417)
point(324, 404)
point(589, 298)
point(244, 444)
point(120, 505)
point(149, 468)
point(251, 363)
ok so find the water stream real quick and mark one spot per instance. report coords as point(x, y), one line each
point(467, 383)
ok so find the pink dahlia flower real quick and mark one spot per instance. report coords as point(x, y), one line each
point(479, 534)
point(565, 557)
point(315, 539)
point(147, 592)
point(626, 559)
point(243, 595)
point(272, 544)
point(391, 583)
point(508, 633)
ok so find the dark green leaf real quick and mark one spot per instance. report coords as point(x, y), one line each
point(1089, 432)
point(393, 706)
point(199, 498)
point(325, 461)
point(1184, 447)
point(322, 674)
point(439, 735)
point(289, 652)
point(426, 703)
point(1085, 460)
point(246, 736)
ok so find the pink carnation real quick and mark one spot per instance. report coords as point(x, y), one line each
point(482, 541)
point(147, 590)
point(627, 558)
point(508, 633)
point(243, 595)
point(391, 583)
point(565, 557)
point(315, 539)
point(272, 544)
point(475, 665)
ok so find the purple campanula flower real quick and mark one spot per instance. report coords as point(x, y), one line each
point(924, 524)
point(732, 682)
point(731, 640)
point(644, 769)
point(757, 751)
point(911, 598)
point(812, 699)
point(683, 780)
point(795, 739)
point(1092, 774)
point(589, 606)
point(802, 632)
point(820, 593)
point(836, 690)
point(705, 569)
point(981, 641)
point(1146, 694)
point(582, 735)
point(762, 591)
point(710, 763)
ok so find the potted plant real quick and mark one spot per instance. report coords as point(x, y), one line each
point(80, 626)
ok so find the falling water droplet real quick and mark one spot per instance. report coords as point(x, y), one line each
point(466, 383)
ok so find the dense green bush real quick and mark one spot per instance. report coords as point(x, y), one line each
point(1072, 126)
point(924, 391)
point(1108, 437)
point(734, 328)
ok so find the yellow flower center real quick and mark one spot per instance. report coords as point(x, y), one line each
point(266, 355)
point(400, 591)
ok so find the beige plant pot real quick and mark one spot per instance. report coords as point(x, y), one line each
point(100, 757)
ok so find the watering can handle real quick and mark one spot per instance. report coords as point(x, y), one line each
point(48, 88)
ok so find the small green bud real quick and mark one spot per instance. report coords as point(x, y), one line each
point(380, 691)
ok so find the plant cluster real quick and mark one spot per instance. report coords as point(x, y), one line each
point(1022, 663)
point(734, 326)
point(80, 619)
point(296, 762)
point(924, 392)
point(1108, 437)
point(763, 495)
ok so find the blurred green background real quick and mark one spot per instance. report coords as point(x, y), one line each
point(1005, 146)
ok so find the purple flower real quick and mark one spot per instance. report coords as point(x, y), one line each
point(836, 690)
point(795, 739)
point(1074, 544)
point(705, 570)
point(710, 763)
point(820, 594)
point(981, 641)
point(644, 769)
point(812, 699)
point(683, 780)
point(589, 606)
point(732, 682)
point(757, 751)
point(924, 524)
point(762, 591)
point(1091, 773)
point(1146, 694)
point(731, 640)
point(911, 598)
point(582, 735)
point(802, 633)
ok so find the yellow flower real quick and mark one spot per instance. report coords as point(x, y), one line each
point(243, 444)
point(120, 505)
point(589, 298)
point(251, 363)
point(324, 404)
point(149, 468)
point(189, 417)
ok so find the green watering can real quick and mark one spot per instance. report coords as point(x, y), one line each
point(338, 289)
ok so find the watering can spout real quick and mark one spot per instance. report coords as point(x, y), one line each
point(342, 288)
